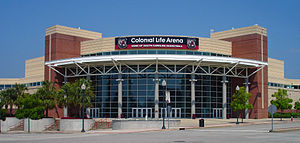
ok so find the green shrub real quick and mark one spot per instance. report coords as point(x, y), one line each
point(284, 115)
point(3, 114)
point(30, 106)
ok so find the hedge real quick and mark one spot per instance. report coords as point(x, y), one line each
point(284, 115)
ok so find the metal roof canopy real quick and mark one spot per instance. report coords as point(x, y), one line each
point(84, 66)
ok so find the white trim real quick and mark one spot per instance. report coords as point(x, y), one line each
point(175, 58)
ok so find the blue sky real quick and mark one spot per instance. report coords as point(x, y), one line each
point(23, 24)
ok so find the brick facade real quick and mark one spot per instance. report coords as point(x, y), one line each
point(62, 47)
point(249, 47)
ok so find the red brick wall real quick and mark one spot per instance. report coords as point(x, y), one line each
point(62, 47)
point(249, 47)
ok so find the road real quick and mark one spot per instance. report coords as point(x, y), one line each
point(243, 134)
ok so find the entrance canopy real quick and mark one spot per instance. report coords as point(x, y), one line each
point(140, 64)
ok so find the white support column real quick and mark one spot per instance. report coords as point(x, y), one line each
point(120, 95)
point(88, 77)
point(87, 110)
point(224, 98)
point(247, 90)
point(156, 97)
point(65, 96)
point(193, 106)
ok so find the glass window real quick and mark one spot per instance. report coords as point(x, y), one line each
point(180, 52)
point(142, 51)
point(106, 53)
point(189, 52)
point(161, 52)
point(198, 53)
point(115, 53)
point(151, 51)
point(171, 52)
point(132, 52)
point(123, 52)
point(206, 53)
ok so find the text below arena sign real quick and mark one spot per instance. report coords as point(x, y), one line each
point(156, 42)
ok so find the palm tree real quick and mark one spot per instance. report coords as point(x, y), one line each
point(4, 99)
point(47, 93)
point(2, 103)
point(20, 89)
point(9, 97)
point(70, 95)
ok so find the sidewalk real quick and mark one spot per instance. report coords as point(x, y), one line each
point(194, 124)
point(185, 124)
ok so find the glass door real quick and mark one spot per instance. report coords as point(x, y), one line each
point(217, 113)
point(141, 112)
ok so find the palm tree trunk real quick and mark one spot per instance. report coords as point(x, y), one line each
point(47, 112)
point(56, 110)
point(281, 114)
point(243, 114)
point(10, 109)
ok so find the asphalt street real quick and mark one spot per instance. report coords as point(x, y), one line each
point(243, 134)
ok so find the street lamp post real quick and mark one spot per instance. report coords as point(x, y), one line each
point(164, 84)
point(237, 104)
point(82, 112)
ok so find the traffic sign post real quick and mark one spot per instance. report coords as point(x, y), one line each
point(272, 109)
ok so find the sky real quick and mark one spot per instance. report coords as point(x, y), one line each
point(23, 24)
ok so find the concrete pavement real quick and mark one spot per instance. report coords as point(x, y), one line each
point(247, 134)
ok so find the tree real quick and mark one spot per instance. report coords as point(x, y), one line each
point(3, 112)
point(282, 100)
point(19, 91)
point(4, 98)
point(47, 93)
point(70, 95)
point(242, 101)
point(297, 105)
point(30, 106)
point(9, 97)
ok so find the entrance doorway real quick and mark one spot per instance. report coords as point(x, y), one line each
point(175, 112)
point(141, 112)
point(217, 113)
point(94, 112)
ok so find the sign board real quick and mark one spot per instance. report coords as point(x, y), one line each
point(272, 109)
point(156, 42)
point(168, 98)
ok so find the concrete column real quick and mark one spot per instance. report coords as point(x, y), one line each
point(224, 93)
point(193, 107)
point(87, 110)
point(88, 77)
point(247, 90)
point(65, 96)
point(156, 97)
point(120, 95)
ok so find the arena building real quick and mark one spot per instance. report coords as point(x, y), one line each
point(201, 74)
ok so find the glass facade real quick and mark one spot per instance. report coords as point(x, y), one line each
point(5, 86)
point(172, 52)
point(138, 91)
point(283, 85)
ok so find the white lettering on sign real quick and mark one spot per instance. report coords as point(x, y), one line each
point(142, 40)
point(157, 40)
point(170, 40)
